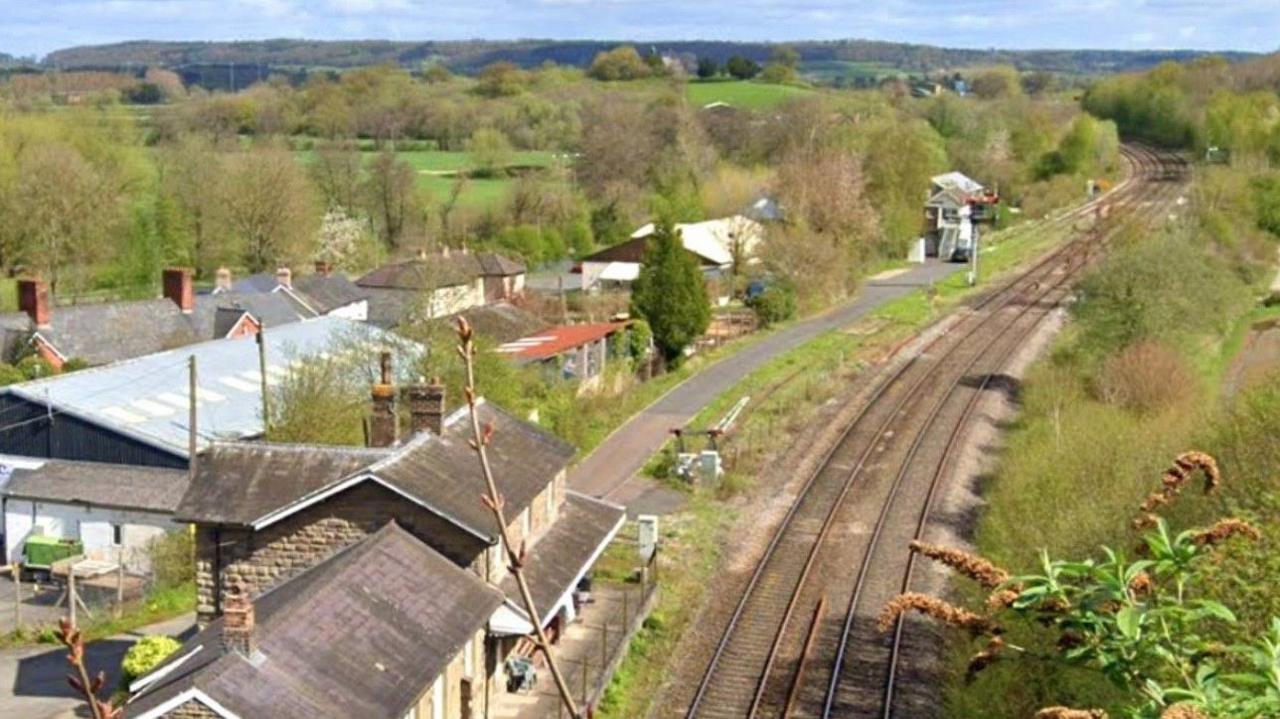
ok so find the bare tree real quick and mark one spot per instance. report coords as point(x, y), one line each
point(270, 208)
point(392, 199)
point(516, 556)
point(337, 170)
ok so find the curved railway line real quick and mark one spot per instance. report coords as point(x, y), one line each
point(801, 640)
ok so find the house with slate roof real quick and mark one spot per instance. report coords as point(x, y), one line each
point(441, 284)
point(384, 627)
point(100, 333)
point(271, 516)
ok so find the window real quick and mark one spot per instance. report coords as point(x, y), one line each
point(437, 699)
point(117, 534)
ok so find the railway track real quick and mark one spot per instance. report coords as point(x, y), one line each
point(842, 545)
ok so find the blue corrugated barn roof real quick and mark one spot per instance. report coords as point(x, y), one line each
point(146, 398)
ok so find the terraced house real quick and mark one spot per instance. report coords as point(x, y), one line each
point(371, 582)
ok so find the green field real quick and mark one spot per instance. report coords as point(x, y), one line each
point(747, 95)
point(437, 174)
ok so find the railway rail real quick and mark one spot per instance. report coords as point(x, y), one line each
point(874, 491)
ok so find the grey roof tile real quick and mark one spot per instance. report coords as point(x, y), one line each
point(116, 485)
point(361, 634)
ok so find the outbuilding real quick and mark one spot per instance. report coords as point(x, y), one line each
point(114, 510)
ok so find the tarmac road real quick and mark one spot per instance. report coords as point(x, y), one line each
point(610, 471)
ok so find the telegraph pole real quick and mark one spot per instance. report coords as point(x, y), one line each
point(191, 417)
point(262, 370)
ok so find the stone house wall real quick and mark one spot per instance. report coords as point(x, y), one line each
point(260, 560)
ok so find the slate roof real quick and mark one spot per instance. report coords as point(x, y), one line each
point(272, 309)
point(146, 398)
point(241, 484)
point(437, 271)
point(388, 307)
point(328, 293)
point(238, 482)
point(561, 556)
point(107, 332)
point(150, 489)
point(361, 634)
point(503, 322)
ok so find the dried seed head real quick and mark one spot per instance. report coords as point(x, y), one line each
point(1066, 713)
point(1142, 584)
point(1183, 711)
point(970, 565)
point(984, 658)
point(1173, 480)
point(464, 330)
point(936, 608)
point(1225, 529)
point(1002, 599)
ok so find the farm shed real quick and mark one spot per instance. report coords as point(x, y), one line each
point(136, 411)
point(114, 510)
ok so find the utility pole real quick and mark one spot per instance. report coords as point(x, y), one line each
point(973, 252)
point(191, 417)
point(262, 370)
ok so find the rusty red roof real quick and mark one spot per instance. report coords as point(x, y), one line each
point(554, 340)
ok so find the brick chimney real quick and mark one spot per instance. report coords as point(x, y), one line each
point(33, 298)
point(426, 407)
point(177, 287)
point(238, 623)
point(384, 430)
point(223, 281)
point(324, 269)
point(284, 277)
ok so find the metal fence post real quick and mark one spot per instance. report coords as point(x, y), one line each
point(17, 596)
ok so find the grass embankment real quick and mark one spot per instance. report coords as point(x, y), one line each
point(797, 385)
point(1136, 379)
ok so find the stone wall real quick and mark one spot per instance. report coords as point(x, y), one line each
point(191, 709)
point(260, 560)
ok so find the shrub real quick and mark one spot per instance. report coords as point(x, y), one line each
point(1144, 377)
point(34, 367)
point(10, 375)
point(776, 304)
point(173, 558)
point(145, 655)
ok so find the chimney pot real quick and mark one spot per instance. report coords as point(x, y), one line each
point(284, 277)
point(324, 269)
point(238, 623)
point(33, 298)
point(384, 429)
point(176, 282)
point(427, 407)
point(223, 281)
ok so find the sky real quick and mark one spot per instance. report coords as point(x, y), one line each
point(35, 27)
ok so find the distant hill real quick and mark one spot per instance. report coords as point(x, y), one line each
point(471, 55)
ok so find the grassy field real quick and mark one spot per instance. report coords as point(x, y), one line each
point(747, 95)
point(437, 174)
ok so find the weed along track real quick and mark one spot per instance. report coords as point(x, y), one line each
point(801, 640)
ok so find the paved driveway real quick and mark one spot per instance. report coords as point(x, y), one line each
point(33, 681)
point(609, 470)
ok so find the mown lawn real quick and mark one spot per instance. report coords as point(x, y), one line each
point(747, 95)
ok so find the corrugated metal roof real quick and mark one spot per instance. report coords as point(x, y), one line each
point(146, 398)
point(554, 340)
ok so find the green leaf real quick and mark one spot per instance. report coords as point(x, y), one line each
point(1129, 621)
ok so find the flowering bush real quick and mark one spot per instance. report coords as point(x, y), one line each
point(145, 655)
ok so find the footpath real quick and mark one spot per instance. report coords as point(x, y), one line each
point(611, 471)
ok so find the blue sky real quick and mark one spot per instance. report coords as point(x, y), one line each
point(37, 26)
